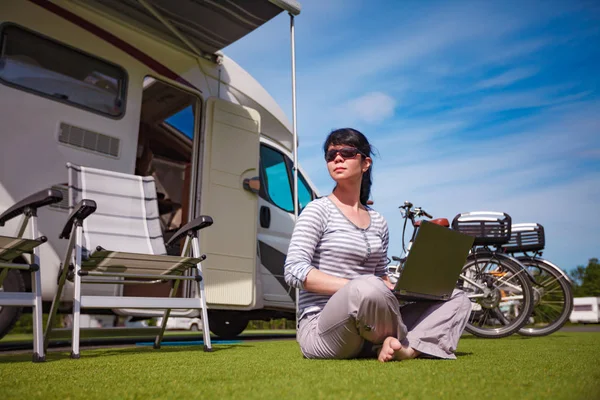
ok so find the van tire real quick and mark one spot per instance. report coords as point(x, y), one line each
point(227, 325)
point(194, 328)
point(10, 315)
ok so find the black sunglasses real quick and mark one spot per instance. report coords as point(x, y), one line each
point(345, 152)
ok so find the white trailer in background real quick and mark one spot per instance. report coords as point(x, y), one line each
point(182, 323)
point(585, 310)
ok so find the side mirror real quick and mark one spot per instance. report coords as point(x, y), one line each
point(252, 184)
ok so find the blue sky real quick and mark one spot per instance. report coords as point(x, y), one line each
point(471, 106)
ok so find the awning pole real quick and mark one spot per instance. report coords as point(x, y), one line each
point(295, 145)
point(295, 137)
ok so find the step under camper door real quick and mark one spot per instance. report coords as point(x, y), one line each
point(231, 154)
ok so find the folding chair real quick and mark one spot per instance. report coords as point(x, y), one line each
point(12, 247)
point(118, 240)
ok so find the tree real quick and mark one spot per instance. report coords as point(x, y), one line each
point(587, 279)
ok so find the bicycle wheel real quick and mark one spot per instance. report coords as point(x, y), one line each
point(500, 293)
point(553, 299)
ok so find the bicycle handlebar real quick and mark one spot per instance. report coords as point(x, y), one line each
point(409, 213)
point(418, 211)
point(407, 205)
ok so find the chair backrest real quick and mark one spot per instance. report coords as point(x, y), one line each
point(126, 217)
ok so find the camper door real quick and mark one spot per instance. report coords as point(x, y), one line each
point(231, 154)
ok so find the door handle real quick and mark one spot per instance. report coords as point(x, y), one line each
point(265, 217)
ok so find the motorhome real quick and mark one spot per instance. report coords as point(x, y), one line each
point(585, 310)
point(142, 87)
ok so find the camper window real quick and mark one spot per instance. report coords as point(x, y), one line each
point(43, 66)
point(277, 179)
point(305, 195)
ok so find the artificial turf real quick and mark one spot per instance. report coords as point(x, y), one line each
point(28, 337)
point(563, 365)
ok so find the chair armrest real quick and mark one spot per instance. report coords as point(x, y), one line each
point(82, 210)
point(195, 225)
point(33, 202)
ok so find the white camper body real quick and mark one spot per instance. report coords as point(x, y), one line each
point(95, 84)
point(585, 310)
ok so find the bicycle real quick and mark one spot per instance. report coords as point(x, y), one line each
point(496, 283)
point(552, 288)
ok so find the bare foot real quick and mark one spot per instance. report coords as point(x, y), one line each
point(389, 348)
point(392, 349)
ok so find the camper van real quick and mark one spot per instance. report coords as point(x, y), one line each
point(585, 310)
point(142, 87)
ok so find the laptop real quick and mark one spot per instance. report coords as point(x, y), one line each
point(434, 263)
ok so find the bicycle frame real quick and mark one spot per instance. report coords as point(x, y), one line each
point(500, 255)
point(410, 214)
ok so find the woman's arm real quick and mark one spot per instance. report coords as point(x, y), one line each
point(323, 283)
point(381, 269)
point(307, 233)
point(299, 271)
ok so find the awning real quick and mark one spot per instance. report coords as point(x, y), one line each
point(203, 26)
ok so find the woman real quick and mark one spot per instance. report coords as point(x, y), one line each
point(338, 259)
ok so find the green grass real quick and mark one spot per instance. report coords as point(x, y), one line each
point(17, 337)
point(28, 337)
point(559, 366)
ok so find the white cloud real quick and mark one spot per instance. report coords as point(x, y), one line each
point(532, 174)
point(372, 107)
point(507, 78)
point(540, 97)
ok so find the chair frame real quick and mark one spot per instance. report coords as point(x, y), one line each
point(78, 273)
point(28, 208)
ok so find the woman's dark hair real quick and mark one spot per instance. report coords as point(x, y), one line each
point(352, 137)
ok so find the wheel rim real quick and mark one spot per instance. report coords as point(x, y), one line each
point(553, 307)
point(502, 306)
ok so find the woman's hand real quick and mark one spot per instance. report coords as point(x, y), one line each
point(388, 283)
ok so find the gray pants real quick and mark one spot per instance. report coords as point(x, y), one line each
point(363, 313)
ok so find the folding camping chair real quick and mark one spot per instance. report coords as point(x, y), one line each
point(12, 247)
point(118, 240)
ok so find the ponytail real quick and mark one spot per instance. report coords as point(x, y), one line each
point(365, 187)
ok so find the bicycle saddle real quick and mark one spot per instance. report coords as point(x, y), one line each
point(439, 221)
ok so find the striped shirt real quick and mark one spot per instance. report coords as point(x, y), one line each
point(324, 238)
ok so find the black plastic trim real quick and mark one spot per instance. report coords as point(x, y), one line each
point(265, 217)
point(82, 210)
point(33, 202)
point(274, 262)
point(191, 227)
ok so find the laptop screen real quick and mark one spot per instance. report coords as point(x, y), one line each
point(435, 261)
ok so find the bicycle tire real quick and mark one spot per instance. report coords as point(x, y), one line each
point(520, 280)
point(541, 287)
